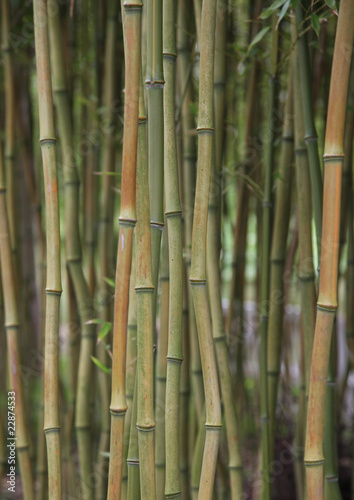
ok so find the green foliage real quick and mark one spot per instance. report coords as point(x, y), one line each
point(101, 366)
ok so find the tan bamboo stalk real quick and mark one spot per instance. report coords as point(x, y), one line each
point(145, 320)
point(277, 260)
point(12, 330)
point(197, 462)
point(184, 395)
point(174, 223)
point(198, 264)
point(73, 252)
point(131, 371)
point(105, 228)
point(161, 369)
point(53, 286)
point(133, 491)
point(306, 271)
point(327, 298)
point(118, 407)
point(9, 152)
point(188, 167)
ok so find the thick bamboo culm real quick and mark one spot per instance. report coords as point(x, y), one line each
point(277, 260)
point(145, 318)
point(53, 285)
point(327, 297)
point(265, 271)
point(118, 407)
point(73, 252)
point(188, 169)
point(198, 257)
point(105, 230)
point(311, 138)
point(213, 258)
point(174, 224)
point(12, 327)
point(154, 82)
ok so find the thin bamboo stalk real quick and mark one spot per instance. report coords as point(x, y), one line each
point(198, 264)
point(12, 330)
point(184, 394)
point(266, 238)
point(105, 228)
point(311, 138)
point(118, 407)
point(327, 298)
point(174, 223)
point(188, 186)
point(73, 252)
point(161, 369)
point(145, 320)
point(53, 286)
point(154, 82)
point(277, 260)
point(133, 491)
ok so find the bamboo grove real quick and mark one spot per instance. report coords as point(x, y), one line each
point(176, 250)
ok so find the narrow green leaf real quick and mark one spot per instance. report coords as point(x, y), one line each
point(315, 23)
point(268, 12)
point(258, 37)
point(283, 11)
point(104, 331)
point(100, 365)
point(110, 282)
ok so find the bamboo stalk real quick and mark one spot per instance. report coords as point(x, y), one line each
point(277, 260)
point(184, 394)
point(73, 252)
point(161, 369)
point(327, 298)
point(198, 264)
point(133, 491)
point(188, 168)
point(118, 407)
point(173, 216)
point(53, 285)
point(105, 227)
point(12, 332)
point(145, 320)
point(311, 138)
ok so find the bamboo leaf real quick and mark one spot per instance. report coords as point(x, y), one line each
point(104, 331)
point(100, 365)
point(269, 11)
point(258, 37)
point(110, 282)
point(331, 4)
point(315, 23)
point(283, 12)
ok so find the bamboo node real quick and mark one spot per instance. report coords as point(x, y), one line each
point(173, 213)
point(149, 289)
point(132, 6)
point(51, 429)
point(213, 427)
point(12, 325)
point(333, 157)
point(311, 138)
point(118, 411)
point(220, 339)
point(157, 224)
point(332, 479)
point(146, 428)
point(306, 279)
point(133, 462)
point(205, 130)
point(47, 140)
point(313, 463)
point(125, 221)
point(300, 151)
point(235, 467)
point(174, 359)
point(53, 291)
point(197, 281)
point(288, 138)
point(173, 495)
point(171, 55)
point(327, 307)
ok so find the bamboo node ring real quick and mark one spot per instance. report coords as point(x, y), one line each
point(173, 213)
point(327, 307)
point(146, 428)
point(197, 281)
point(52, 291)
point(47, 140)
point(118, 411)
point(174, 359)
point(52, 429)
point(126, 221)
point(144, 289)
point(205, 130)
point(333, 157)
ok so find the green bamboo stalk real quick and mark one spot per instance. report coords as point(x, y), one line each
point(161, 369)
point(154, 82)
point(145, 321)
point(327, 298)
point(53, 286)
point(184, 394)
point(213, 257)
point(306, 272)
point(73, 252)
point(266, 238)
point(277, 260)
point(12, 332)
point(9, 152)
point(133, 491)
point(118, 407)
point(197, 462)
point(174, 223)
point(105, 228)
point(311, 138)
point(188, 186)
point(198, 261)
point(131, 371)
